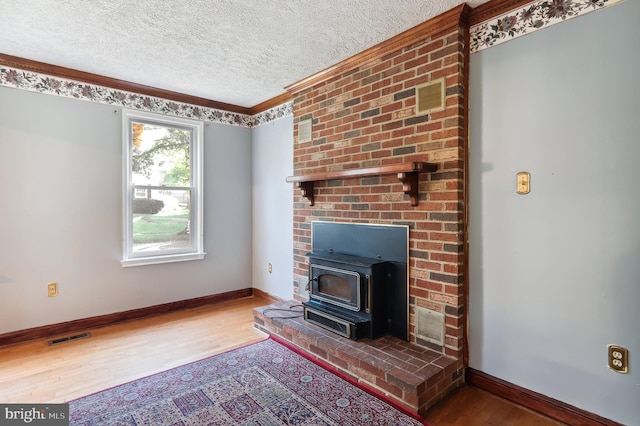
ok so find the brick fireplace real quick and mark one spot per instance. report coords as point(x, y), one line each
point(364, 115)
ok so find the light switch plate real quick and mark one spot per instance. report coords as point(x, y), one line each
point(52, 289)
point(523, 183)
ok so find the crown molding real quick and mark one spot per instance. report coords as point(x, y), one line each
point(81, 76)
point(442, 22)
point(454, 17)
point(271, 103)
point(462, 14)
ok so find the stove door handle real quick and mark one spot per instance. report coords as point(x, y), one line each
point(308, 286)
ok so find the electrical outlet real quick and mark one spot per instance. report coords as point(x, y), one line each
point(618, 358)
point(270, 268)
point(52, 289)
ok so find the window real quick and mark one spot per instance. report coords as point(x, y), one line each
point(162, 189)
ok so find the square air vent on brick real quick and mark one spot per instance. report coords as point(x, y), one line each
point(430, 325)
point(304, 131)
point(430, 97)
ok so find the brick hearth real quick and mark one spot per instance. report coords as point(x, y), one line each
point(414, 376)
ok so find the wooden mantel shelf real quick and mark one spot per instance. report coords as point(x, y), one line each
point(407, 174)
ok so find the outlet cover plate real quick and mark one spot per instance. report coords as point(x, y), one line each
point(618, 358)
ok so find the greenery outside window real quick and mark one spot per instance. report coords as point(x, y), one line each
point(163, 189)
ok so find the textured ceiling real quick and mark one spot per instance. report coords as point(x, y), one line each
point(241, 52)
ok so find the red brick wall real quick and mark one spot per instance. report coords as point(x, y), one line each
point(366, 117)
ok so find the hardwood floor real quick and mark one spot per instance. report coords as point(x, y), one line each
point(36, 372)
point(469, 406)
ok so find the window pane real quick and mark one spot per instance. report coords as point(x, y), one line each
point(161, 221)
point(162, 186)
point(160, 155)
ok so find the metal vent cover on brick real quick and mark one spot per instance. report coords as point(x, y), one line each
point(304, 131)
point(430, 325)
point(303, 287)
point(69, 338)
point(430, 96)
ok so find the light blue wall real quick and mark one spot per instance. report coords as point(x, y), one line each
point(273, 207)
point(61, 210)
point(555, 274)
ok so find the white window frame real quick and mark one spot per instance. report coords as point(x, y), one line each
point(196, 251)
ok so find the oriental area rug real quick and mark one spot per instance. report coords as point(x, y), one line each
point(265, 383)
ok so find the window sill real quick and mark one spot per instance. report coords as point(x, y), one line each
point(140, 261)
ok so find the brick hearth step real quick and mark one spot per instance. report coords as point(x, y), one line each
point(414, 376)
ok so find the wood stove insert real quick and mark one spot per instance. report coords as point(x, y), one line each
point(358, 279)
point(348, 294)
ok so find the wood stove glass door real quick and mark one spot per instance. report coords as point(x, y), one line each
point(339, 287)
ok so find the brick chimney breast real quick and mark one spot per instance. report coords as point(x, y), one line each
point(364, 114)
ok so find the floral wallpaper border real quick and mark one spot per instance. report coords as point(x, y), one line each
point(273, 114)
point(532, 17)
point(41, 83)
